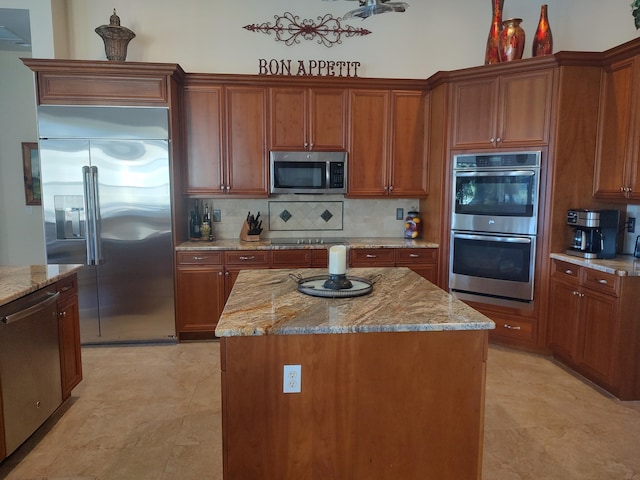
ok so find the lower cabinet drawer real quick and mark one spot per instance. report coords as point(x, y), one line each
point(200, 258)
point(516, 329)
point(601, 281)
point(253, 258)
point(416, 256)
point(291, 258)
point(372, 257)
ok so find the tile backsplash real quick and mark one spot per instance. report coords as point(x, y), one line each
point(315, 216)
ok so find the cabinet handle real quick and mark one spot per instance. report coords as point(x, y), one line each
point(391, 188)
point(219, 274)
point(511, 327)
point(414, 255)
point(199, 258)
point(65, 288)
point(222, 187)
point(226, 273)
point(602, 282)
point(251, 257)
point(569, 271)
point(371, 255)
point(227, 188)
point(493, 140)
point(498, 140)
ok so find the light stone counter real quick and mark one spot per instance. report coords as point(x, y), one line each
point(622, 265)
point(265, 244)
point(16, 282)
point(267, 302)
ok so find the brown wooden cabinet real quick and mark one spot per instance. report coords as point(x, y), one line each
point(204, 112)
point(618, 148)
point(307, 118)
point(200, 293)
point(592, 326)
point(247, 171)
point(69, 334)
point(387, 144)
point(423, 261)
point(226, 131)
point(504, 111)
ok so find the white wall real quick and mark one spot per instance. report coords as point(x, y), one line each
point(207, 36)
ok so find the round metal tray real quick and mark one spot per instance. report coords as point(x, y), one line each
point(314, 286)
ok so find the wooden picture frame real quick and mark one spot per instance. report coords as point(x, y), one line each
point(31, 167)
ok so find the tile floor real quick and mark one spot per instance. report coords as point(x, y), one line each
point(153, 412)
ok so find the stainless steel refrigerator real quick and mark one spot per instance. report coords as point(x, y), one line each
point(107, 204)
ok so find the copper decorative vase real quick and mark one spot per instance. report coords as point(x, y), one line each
point(491, 53)
point(511, 44)
point(543, 40)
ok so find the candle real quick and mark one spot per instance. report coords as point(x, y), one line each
point(338, 260)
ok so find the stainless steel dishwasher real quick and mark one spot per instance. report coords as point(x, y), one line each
point(29, 364)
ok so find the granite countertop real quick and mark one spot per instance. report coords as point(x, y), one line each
point(622, 265)
point(265, 244)
point(16, 282)
point(267, 302)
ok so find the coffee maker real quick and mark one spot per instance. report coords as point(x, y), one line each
point(594, 234)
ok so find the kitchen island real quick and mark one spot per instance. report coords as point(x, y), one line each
point(391, 383)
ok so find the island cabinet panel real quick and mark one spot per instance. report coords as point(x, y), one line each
point(204, 113)
point(618, 149)
point(308, 118)
point(200, 290)
point(593, 326)
point(509, 110)
point(355, 417)
point(69, 334)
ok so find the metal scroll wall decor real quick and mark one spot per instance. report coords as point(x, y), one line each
point(288, 28)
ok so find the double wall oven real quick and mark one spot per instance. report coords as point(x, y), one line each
point(494, 220)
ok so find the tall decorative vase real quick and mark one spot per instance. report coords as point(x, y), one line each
point(543, 40)
point(491, 54)
point(512, 37)
point(116, 38)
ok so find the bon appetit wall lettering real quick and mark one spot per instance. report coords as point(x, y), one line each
point(304, 68)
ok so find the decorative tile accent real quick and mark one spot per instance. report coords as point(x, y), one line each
point(285, 215)
point(305, 216)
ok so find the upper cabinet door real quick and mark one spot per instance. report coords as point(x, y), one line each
point(524, 111)
point(204, 139)
point(246, 127)
point(408, 144)
point(617, 148)
point(308, 119)
point(328, 119)
point(289, 117)
point(475, 107)
point(513, 110)
point(368, 143)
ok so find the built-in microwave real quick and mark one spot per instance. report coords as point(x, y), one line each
point(308, 172)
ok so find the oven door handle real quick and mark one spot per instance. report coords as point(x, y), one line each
point(492, 238)
point(499, 173)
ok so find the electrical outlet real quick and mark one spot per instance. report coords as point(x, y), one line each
point(292, 379)
point(631, 225)
point(399, 213)
point(217, 216)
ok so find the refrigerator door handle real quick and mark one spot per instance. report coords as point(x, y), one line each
point(97, 220)
point(89, 209)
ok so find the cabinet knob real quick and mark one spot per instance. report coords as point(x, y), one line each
point(492, 140)
point(569, 271)
point(226, 273)
point(219, 274)
point(391, 188)
point(227, 188)
point(498, 140)
point(63, 314)
point(222, 187)
point(512, 327)
point(602, 282)
point(576, 293)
